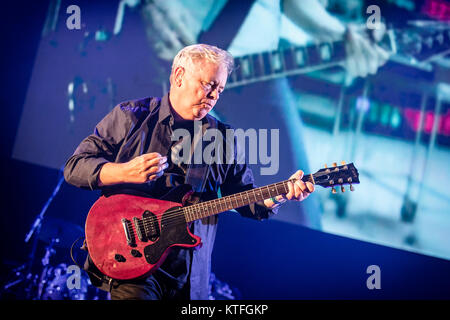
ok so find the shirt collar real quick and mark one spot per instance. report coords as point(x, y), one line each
point(165, 113)
point(164, 110)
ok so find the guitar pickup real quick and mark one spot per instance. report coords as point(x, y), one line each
point(151, 226)
point(138, 225)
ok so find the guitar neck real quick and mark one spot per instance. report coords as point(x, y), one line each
point(212, 207)
point(279, 63)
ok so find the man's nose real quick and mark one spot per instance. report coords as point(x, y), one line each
point(214, 94)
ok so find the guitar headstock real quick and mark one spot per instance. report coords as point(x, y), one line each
point(345, 174)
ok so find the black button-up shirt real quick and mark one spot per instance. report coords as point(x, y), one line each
point(142, 126)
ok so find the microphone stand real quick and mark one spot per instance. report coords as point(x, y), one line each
point(35, 229)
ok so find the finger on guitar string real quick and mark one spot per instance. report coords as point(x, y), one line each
point(310, 187)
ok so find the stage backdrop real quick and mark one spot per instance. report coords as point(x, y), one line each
point(393, 126)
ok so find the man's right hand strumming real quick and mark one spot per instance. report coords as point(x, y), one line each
point(144, 168)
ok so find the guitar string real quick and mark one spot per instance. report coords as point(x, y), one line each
point(235, 197)
point(173, 217)
point(204, 205)
point(176, 214)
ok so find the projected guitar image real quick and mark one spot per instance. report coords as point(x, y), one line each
point(129, 236)
point(414, 46)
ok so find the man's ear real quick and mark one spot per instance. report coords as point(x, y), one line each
point(178, 74)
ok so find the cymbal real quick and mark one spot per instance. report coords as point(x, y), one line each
point(62, 232)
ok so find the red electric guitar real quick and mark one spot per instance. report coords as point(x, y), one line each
point(129, 236)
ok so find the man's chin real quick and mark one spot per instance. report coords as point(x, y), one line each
point(201, 114)
point(198, 118)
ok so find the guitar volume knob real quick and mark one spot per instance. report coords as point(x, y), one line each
point(135, 253)
point(119, 258)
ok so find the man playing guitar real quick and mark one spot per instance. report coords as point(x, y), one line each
point(131, 148)
point(131, 151)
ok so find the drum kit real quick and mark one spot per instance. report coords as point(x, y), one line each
point(53, 277)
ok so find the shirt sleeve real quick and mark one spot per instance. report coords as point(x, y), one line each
point(83, 167)
point(240, 178)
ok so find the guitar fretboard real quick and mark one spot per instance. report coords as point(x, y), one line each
point(278, 63)
point(212, 207)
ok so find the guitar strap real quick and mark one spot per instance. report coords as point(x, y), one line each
point(227, 24)
point(197, 173)
point(196, 176)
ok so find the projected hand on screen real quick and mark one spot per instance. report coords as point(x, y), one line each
point(364, 56)
point(169, 28)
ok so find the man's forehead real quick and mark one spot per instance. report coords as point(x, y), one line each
point(206, 65)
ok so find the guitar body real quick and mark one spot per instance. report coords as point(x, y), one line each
point(129, 236)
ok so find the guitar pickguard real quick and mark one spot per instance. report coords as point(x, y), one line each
point(173, 231)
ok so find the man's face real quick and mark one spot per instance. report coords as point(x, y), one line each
point(200, 88)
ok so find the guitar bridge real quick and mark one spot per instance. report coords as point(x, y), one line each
point(128, 232)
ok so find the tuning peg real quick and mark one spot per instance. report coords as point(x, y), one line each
point(352, 188)
point(333, 190)
point(343, 162)
point(334, 164)
point(342, 189)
